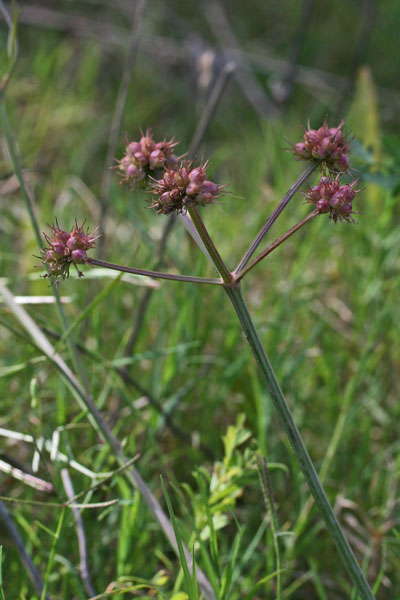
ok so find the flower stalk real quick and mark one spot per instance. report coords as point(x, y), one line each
point(154, 274)
point(275, 214)
point(209, 244)
point(276, 243)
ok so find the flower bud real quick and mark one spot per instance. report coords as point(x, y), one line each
point(342, 163)
point(210, 187)
point(58, 248)
point(164, 198)
point(205, 198)
point(124, 163)
point(323, 205)
point(140, 158)
point(73, 242)
point(192, 189)
point(79, 256)
point(156, 159)
point(132, 148)
point(184, 187)
point(169, 178)
point(147, 144)
point(330, 196)
point(145, 156)
point(329, 145)
point(198, 175)
point(66, 249)
point(301, 150)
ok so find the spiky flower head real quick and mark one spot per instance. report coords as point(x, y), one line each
point(66, 249)
point(144, 157)
point(181, 188)
point(328, 196)
point(328, 144)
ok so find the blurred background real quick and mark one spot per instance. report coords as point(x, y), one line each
point(167, 365)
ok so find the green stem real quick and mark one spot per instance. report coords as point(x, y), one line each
point(154, 274)
point(266, 487)
point(275, 244)
point(296, 441)
point(52, 553)
point(275, 214)
point(209, 244)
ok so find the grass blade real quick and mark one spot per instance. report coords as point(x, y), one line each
point(182, 556)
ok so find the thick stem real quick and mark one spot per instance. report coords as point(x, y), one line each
point(276, 243)
point(273, 217)
point(296, 441)
point(154, 274)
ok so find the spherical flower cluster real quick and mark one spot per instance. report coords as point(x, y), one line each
point(328, 144)
point(331, 197)
point(145, 157)
point(66, 249)
point(182, 188)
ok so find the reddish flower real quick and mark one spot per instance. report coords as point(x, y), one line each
point(144, 157)
point(182, 188)
point(328, 144)
point(331, 197)
point(66, 249)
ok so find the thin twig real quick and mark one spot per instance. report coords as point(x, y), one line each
point(47, 504)
point(118, 113)
point(80, 532)
point(210, 107)
point(294, 51)
point(114, 37)
point(25, 558)
point(275, 214)
point(226, 38)
point(155, 274)
point(27, 478)
point(276, 243)
point(367, 23)
point(12, 47)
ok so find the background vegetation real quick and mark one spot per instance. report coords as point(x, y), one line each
point(326, 302)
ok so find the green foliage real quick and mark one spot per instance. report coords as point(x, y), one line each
point(326, 304)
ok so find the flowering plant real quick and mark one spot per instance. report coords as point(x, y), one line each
point(179, 187)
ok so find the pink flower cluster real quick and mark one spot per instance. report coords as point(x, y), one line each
point(66, 249)
point(182, 188)
point(331, 197)
point(146, 156)
point(328, 144)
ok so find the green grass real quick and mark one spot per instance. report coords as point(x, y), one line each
point(326, 304)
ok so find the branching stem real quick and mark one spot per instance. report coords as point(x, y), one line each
point(273, 217)
point(232, 288)
point(154, 274)
point(275, 244)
